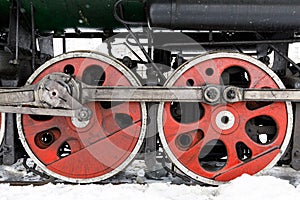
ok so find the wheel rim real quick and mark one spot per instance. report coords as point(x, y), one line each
point(2, 127)
point(221, 142)
point(86, 152)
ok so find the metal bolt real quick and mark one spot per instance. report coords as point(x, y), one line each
point(83, 114)
point(212, 93)
point(231, 94)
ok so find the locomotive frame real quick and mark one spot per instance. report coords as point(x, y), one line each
point(29, 87)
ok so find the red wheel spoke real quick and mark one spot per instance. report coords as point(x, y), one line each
point(58, 143)
point(230, 144)
point(190, 157)
point(257, 149)
point(231, 141)
point(273, 110)
point(53, 149)
point(205, 121)
point(172, 128)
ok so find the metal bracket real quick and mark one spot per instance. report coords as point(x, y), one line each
point(154, 171)
point(10, 140)
point(53, 96)
point(295, 163)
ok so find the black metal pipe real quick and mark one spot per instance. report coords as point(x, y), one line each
point(33, 39)
point(241, 15)
point(16, 61)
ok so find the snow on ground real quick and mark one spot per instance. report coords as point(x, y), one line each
point(245, 187)
point(253, 187)
point(277, 183)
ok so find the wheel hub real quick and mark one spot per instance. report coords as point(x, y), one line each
point(225, 120)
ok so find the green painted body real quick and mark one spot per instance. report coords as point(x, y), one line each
point(63, 14)
point(4, 13)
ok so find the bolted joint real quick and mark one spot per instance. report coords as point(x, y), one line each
point(84, 114)
point(212, 94)
point(232, 94)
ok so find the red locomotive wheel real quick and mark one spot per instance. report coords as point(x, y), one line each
point(214, 144)
point(86, 151)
